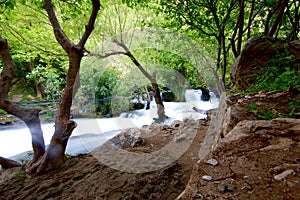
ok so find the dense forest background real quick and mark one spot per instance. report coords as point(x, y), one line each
point(219, 29)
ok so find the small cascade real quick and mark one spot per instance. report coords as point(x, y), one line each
point(92, 132)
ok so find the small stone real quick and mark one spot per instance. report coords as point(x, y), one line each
point(222, 187)
point(197, 196)
point(207, 178)
point(284, 175)
point(276, 170)
point(247, 186)
point(213, 162)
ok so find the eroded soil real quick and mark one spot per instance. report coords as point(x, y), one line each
point(84, 177)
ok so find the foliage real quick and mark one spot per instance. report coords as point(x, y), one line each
point(278, 74)
point(165, 58)
point(51, 80)
point(3, 112)
point(263, 112)
point(252, 107)
point(21, 175)
point(49, 116)
point(294, 105)
point(104, 90)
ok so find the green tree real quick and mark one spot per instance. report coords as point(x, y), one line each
point(230, 23)
point(54, 155)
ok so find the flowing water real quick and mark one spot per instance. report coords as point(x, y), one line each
point(90, 133)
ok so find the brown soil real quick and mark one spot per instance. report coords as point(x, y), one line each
point(247, 168)
point(84, 177)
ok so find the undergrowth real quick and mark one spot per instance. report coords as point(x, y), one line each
point(278, 75)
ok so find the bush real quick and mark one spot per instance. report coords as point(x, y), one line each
point(278, 75)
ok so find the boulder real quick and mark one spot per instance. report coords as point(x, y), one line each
point(257, 54)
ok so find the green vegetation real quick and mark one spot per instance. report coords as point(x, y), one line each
point(281, 73)
point(293, 106)
point(3, 112)
point(21, 175)
point(268, 113)
point(48, 116)
point(103, 93)
point(41, 63)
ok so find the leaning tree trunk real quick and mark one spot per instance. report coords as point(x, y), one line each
point(29, 115)
point(152, 79)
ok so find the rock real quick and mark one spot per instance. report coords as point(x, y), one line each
point(256, 54)
point(167, 95)
point(213, 162)
point(278, 126)
point(246, 186)
point(276, 170)
point(284, 175)
point(205, 96)
point(197, 196)
point(222, 187)
point(207, 178)
point(176, 124)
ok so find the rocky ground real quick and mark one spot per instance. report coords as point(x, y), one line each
point(85, 177)
point(252, 159)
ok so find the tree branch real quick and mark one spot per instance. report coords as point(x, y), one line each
point(282, 5)
point(90, 26)
point(133, 59)
point(58, 32)
point(106, 55)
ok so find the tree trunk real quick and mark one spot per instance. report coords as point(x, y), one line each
point(36, 83)
point(8, 163)
point(159, 102)
point(64, 127)
point(240, 26)
point(152, 79)
point(282, 4)
point(29, 115)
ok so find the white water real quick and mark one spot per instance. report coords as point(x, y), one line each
point(90, 133)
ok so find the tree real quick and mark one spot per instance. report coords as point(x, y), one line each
point(230, 23)
point(55, 153)
point(29, 115)
point(122, 30)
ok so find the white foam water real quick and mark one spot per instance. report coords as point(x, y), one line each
point(91, 133)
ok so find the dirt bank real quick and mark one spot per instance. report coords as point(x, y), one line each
point(84, 177)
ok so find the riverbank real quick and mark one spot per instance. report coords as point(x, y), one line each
point(85, 177)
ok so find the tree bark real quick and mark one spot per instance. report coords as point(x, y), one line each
point(64, 127)
point(240, 26)
point(36, 83)
point(29, 115)
point(282, 4)
point(8, 163)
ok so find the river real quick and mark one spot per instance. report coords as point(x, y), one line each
point(91, 133)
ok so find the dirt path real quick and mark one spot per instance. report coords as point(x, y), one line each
point(84, 177)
